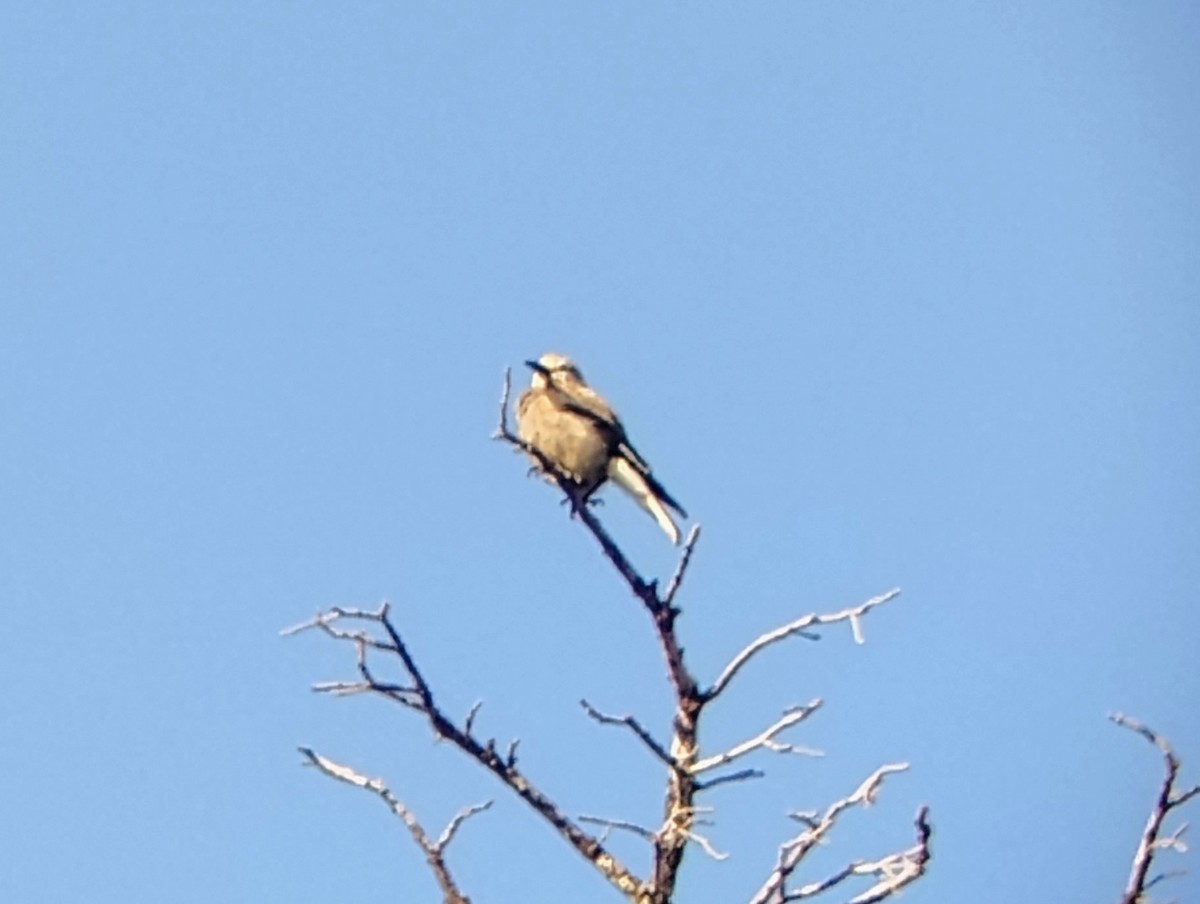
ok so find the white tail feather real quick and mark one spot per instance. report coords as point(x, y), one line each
point(628, 478)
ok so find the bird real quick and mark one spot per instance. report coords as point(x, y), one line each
point(577, 431)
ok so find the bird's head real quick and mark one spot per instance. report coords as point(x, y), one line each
point(554, 368)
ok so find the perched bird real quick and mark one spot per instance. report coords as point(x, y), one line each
point(576, 430)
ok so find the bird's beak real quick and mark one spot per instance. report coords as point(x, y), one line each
point(534, 365)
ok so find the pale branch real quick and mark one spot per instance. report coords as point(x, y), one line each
point(325, 620)
point(1168, 799)
point(1173, 842)
point(395, 692)
point(434, 850)
point(799, 626)
point(341, 688)
point(420, 698)
point(902, 868)
point(625, 825)
point(469, 721)
point(765, 739)
point(892, 872)
point(460, 817)
point(633, 725)
point(793, 851)
point(812, 889)
point(705, 845)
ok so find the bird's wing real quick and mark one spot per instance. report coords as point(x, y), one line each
point(591, 405)
point(585, 401)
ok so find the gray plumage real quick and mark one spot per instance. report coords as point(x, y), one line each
point(575, 428)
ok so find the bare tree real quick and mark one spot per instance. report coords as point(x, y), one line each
point(689, 772)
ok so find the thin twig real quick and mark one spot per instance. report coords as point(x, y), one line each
point(740, 776)
point(685, 559)
point(469, 721)
point(633, 725)
point(623, 824)
point(459, 818)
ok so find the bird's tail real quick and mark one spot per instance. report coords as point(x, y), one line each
point(634, 482)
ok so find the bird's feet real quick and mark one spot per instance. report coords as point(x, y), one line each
point(593, 501)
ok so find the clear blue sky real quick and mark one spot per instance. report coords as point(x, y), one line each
point(889, 294)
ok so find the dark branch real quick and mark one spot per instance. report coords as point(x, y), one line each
point(633, 725)
point(741, 776)
point(685, 559)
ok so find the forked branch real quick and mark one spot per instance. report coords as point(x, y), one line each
point(892, 872)
point(418, 695)
point(1168, 799)
point(801, 626)
point(434, 851)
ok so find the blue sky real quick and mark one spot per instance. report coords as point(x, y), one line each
point(888, 293)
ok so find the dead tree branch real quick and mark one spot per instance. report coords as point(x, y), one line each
point(418, 695)
point(800, 627)
point(625, 825)
point(1168, 799)
point(434, 851)
point(633, 725)
point(765, 739)
point(892, 872)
